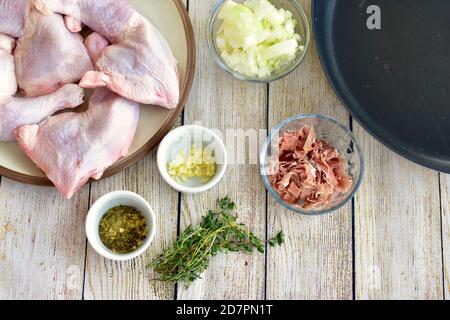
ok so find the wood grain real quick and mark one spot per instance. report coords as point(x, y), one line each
point(106, 279)
point(445, 204)
point(220, 102)
point(398, 252)
point(42, 242)
point(316, 262)
point(134, 280)
point(397, 228)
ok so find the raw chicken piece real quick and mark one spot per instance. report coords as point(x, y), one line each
point(8, 82)
point(12, 17)
point(139, 64)
point(72, 147)
point(72, 24)
point(7, 43)
point(48, 55)
point(16, 112)
point(107, 17)
point(138, 67)
point(95, 43)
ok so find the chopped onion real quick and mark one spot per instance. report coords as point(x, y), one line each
point(256, 39)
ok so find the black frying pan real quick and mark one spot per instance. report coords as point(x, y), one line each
point(394, 81)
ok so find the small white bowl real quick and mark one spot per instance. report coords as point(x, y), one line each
point(109, 201)
point(182, 138)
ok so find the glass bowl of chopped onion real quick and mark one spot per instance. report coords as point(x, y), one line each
point(258, 40)
point(311, 164)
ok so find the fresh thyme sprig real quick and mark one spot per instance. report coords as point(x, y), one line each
point(278, 240)
point(218, 232)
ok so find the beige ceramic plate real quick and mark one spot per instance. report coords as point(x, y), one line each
point(172, 20)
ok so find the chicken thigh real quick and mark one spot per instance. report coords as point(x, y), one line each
point(12, 17)
point(72, 147)
point(16, 112)
point(139, 64)
point(48, 56)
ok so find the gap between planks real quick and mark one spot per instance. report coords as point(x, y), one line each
point(138, 280)
point(222, 102)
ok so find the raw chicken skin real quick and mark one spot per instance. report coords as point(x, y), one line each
point(72, 147)
point(72, 24)
point(107, 17)
point(8, 82)
point(12, 17)
point(16, 112)
point(49, 56)
point(139, 64)
point(95, 43)
point(7, 43)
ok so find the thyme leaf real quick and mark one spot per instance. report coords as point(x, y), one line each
point(218, 232)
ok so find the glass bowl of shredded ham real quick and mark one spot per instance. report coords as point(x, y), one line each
point(311, 164)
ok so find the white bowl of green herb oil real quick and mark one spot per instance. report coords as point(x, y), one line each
point(120, 225)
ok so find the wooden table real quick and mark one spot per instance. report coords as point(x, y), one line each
point(391, 242)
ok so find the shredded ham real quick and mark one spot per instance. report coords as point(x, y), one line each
point(310, 172)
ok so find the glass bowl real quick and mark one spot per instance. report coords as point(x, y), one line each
point(302, 28)
point(332, 132)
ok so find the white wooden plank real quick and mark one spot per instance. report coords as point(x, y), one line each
point(220, 102)
point(316, 261)
point(42, 242)
point(132, 280)
point(397, 228)
point(445, 203)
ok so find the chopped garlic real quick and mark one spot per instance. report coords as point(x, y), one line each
point(198, 163)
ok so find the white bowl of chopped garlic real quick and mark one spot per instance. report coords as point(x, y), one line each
point(192, 159)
